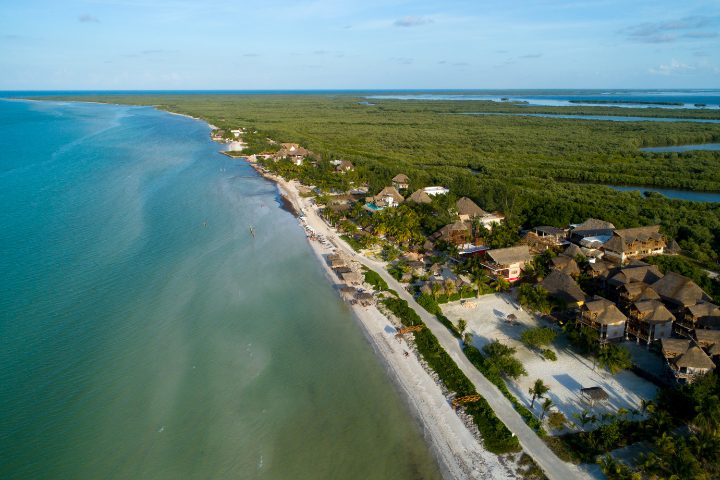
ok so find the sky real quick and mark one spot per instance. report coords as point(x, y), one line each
point(368, 44)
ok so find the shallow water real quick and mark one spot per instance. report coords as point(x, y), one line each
point(145, 334)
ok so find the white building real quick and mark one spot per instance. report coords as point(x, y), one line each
point(432, 191)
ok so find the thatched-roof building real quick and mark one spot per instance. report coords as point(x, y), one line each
point(420, 196)
point(467, 209)
point(679, 291)
point(634, 243)
point(703, 315)
point(565, 264)
point(649, 320)
point(594, 394)
point(604, 317)
point(507, 263)
point(692, 364)
point(592, 227)
point(639, 272)
point(401, 181)
point(387, 197)
point(562, 286)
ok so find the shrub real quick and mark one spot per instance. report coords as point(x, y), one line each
point(549, 355)
point(374, 279)
point(496, 436)
point(556, 420)
point(537, 337)
point(501, 359)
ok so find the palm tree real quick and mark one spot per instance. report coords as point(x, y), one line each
point(707, 419)
point(461, 326)
point(500, 284)
point(546, 406)
point(614, 358)
point(538, 390)
point(467, 338)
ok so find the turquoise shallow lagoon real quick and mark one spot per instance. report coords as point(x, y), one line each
point(145, 334)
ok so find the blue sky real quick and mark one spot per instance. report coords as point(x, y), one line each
point(285, 44)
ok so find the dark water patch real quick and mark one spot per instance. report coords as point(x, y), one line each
point(682, 148)
point(705, 197)
point(609, 118)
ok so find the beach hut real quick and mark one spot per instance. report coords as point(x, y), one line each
point(593, 395)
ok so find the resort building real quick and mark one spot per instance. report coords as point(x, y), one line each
point(401, 181)
point(634, 243)
point(649, 320)
point(344, 166)
point(592, 230)
point(691, 364)
point(507, 263)
point(293, 152)
point(707, 338)
point(635, 273)
point(601, 315)
point(468, 210)
point(432, 191)
point(457, 234)
point(630, 293)
point(703, 315)
point(420, 196)
point(542, 238)
point(564, 288)
point(679, 292)
point(388, 197)
point(563, 263)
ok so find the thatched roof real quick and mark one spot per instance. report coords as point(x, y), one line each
point(638, 291)
point(465, 206)
point(636, 273)
point(674, 346)
point(704, 309)
point(565, 264)
point(390, 192)
point(605, 312)
point(573, 251)
point(695, 357)
point(678, 289)
point(599, 267)
point(653, 311)
point(714, 350)
point(707, 337)
point(401, 178)
point(562, 286)
point(550, 230)
point(419, 196)
point(508, 256)
point(593, 224)
point(595, 393)
point(622, 239)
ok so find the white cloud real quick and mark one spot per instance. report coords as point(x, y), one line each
point(673, 68)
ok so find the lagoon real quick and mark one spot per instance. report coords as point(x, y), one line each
point(707, 197)
point(682, 148)
point(610, 118)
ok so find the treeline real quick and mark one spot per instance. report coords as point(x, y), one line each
point(536, 170)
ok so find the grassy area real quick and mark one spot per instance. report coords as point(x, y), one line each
point(536, 170)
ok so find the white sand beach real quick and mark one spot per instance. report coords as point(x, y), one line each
point(459, 453)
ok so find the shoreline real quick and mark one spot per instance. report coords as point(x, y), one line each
point(456, 448)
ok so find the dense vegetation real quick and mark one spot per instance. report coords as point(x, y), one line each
point(496, 437)
point(537, 170)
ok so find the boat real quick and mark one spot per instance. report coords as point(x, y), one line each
point(252, 231)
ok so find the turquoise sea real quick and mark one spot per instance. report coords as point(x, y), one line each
point(144, 334)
